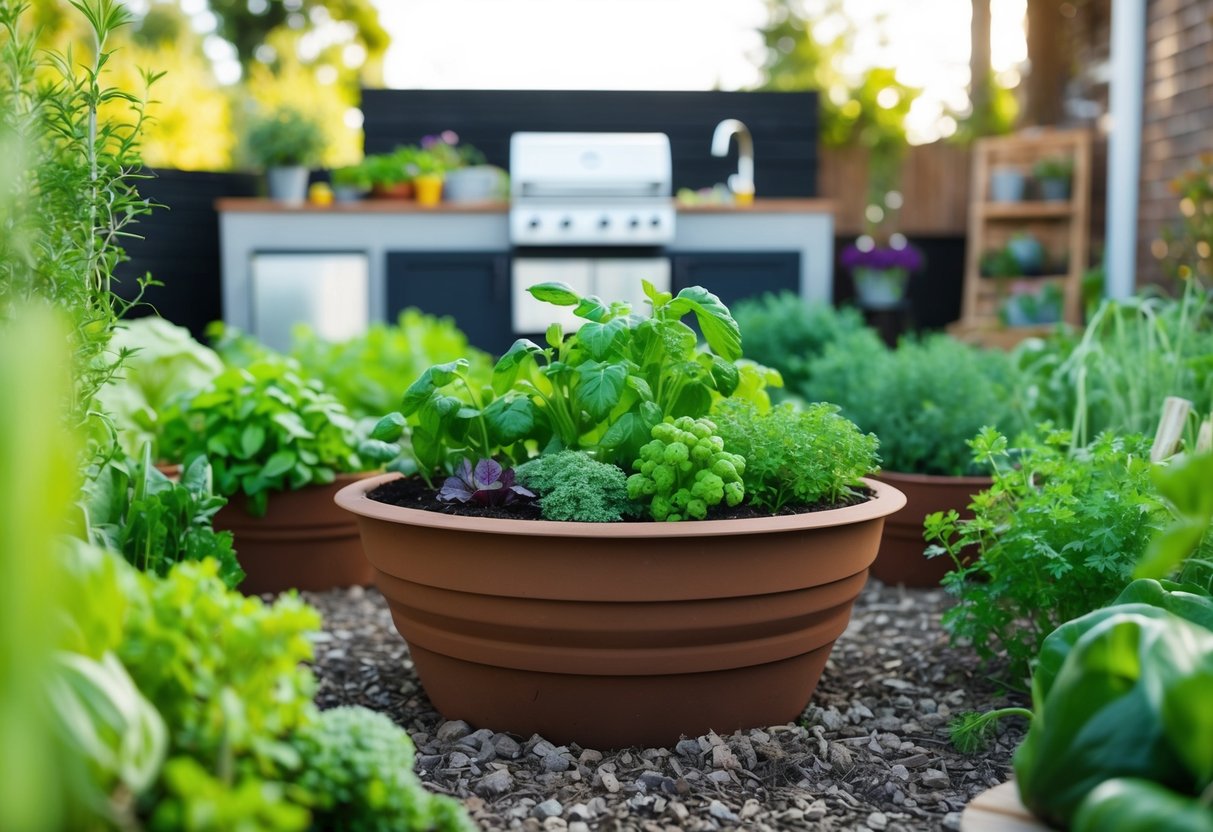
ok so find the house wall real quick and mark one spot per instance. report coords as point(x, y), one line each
point(1178, 119)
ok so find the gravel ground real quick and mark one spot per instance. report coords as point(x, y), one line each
point(870, 752)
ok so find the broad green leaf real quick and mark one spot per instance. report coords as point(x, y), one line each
point(510, 420)
point(279, 464)
point(725, 375)
point(389, 428)
point(694, 400)
point(436, 412)
point(658, 299)
point(599, 387)
point(600, 340)
point(554, 336)
point(1187, 485)
point(592, 309)
point(252, 439)
point(558, 294)
point(642, 388)
point(434, 378)
point(717, 325)
point(510, 365)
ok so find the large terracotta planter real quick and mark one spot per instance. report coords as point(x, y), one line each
point(303, 542)
point(901, 559)
point(617, 634)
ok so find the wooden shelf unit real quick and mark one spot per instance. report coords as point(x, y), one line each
point(1062, 227)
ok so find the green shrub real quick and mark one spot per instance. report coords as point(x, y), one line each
point(793, 455)
point(685, 470)
point(785, 333)
point(264, 428)
point(1056, 536)
point(367, 373)
point(572, 485)
point(358, 766)
point(924, 400)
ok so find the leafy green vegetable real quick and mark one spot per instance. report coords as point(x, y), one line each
point(924, 400)
point(795, 455)
point(601, 389)
point(1185, 485)
point(264, 429)
point(1130, 700)
point(685, 470)
point(358, 765)
point(1057, 535)
point(162, 361)
point(785, 333)
point(1130, 804)
point(154, 522)
point(486, 484)
point(367, 372)
point(572, 485)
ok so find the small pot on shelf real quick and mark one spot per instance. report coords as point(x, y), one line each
point(879, 288)
point(1007, 184)
point(395, 190)
point(428, 187)
point(1055, 190)
point(287, 184)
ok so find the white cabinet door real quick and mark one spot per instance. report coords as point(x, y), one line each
point(328, 292)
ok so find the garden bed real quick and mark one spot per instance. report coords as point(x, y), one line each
point(871, 751)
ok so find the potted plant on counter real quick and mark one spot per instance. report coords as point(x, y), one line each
point(351, 183)
point(537, 616)
point(924, 400)
point(285, 143)
point(389, 175)
point(285, 447)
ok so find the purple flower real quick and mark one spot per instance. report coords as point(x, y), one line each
point(882, 257)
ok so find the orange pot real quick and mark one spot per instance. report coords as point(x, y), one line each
point(399, 190)
point(619, 634)
point(303, 542)
point(901, 559)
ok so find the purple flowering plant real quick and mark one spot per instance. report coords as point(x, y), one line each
point(487, 484)
point(882, 257)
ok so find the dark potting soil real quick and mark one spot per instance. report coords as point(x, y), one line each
point(413, 492)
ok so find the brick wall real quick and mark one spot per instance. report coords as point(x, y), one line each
point(1178, 112)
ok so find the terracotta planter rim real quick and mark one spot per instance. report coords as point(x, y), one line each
point(931, 479)
point(353, 498)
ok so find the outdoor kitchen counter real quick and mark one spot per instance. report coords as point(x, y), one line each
point(707, 238)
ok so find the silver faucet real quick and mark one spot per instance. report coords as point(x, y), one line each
point(743, 180)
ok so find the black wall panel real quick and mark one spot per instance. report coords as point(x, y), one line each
point(180, 245)
point(783, 124)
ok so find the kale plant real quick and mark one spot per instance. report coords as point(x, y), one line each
point(924, 400)
point(793, 455)
point(572, 485)
point(1056, 536)
point(488, 484)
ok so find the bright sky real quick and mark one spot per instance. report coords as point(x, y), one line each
point(675, 44)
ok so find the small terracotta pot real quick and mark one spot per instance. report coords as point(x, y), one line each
point(302, 542)
point(619, 634)
point(398, 190)
point(901, 559)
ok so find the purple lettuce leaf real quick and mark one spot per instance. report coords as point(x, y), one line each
point(488, 484)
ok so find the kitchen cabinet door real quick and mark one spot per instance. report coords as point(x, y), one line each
point(732, 276)
point(471, 287)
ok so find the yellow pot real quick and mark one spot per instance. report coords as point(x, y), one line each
point(429, 188)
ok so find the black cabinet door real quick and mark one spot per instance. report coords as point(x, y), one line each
point(732, 276)
point(471, 287)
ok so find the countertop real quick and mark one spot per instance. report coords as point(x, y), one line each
point(400, 206)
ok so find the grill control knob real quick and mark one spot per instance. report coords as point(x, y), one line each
point(655, 222)
point(604, 222)
point(533, 222)
point(567, 222)
point(634, 222)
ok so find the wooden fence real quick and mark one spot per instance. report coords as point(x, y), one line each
point(934, 187)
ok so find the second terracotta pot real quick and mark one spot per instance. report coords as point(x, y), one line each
point(620, 634)
point(303, 542)
point(901, 559)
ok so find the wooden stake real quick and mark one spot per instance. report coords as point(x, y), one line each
point(1170, 428)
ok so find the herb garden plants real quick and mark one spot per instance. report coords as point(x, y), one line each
point(623, 633)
